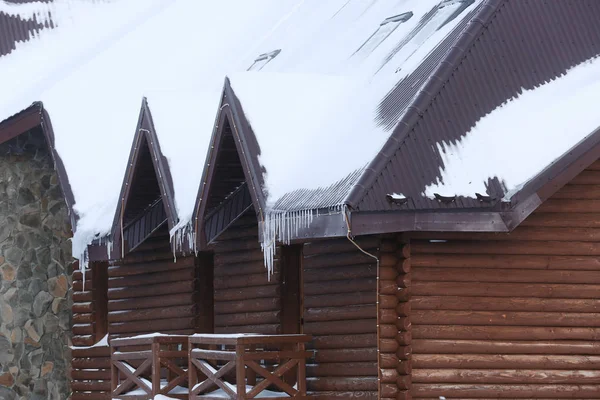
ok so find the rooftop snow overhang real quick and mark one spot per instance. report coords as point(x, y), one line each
point(32, 117)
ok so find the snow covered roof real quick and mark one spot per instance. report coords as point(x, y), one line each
point(331, 92)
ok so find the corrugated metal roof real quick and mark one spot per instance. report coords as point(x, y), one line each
point(518, 45)
point(15, 29)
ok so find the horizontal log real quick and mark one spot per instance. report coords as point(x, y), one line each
point(342, 245)
point(242, 268)
point(83, 318)
point(344, 299)
point(404, 338)
point(509, 391)
point(341, 327)
point(522, 233)
point(388, 301)
point(387, 287)
point(332, 287)
point(90, 396)
point(514, 376)
point(83, 340)
point(503, 333)
point(78, 275)
point(247, 306)
point(328, 395)
point(91, 352)
point(248, 232)
point(93, 386)
point(255, 318)
point(85, 307)
point(151, 267)
point(226, 258)
point(82, 329)
point(346, 272)
point(500, 318)
point(338, 260)
point(505, 361)
point(346, 355)
point(152, 313)
point(84, 375)
point(544, 290)
point(342, 369)
point(390, 259)
point(564, 220)
point(389, 390)
point(388, 330)
point(189, 331)
point(347, 313)
point(388, 375)
point(151, 326)
point(387, 316)
point(152, 279)
point(508, 304)
point(432, 346)
point(255, 292)
point(344, 341)
point(90, 363)
point(569, 206)
point(388, 360)
point(504, 275)
point(82, 297)
point(151, 302)
point(388, 273)
point(341, 384)
point(250, 242)
point(507, 261)
point(388, 345)
point(79, 287)
point(563, 248)
point(146, 257)
point(266, 329)
point(243, 281)
point(151, 290)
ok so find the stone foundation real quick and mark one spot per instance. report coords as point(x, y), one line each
point(35, 264)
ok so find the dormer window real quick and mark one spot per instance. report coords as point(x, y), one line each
point(263, 59)
point(384, 30)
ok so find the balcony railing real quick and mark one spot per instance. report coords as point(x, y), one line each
point(209, 366)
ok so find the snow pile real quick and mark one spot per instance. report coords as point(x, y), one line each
point(519, 139)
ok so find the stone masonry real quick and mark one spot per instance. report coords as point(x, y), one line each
point(35, 264)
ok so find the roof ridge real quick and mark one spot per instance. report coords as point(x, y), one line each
point(424, 99)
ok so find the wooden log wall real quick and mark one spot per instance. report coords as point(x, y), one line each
point(89, 327)
point(512, 315)
point(340, 312)
point(149, 291)
point(245, 299)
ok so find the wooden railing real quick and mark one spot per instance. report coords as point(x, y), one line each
point(227, 366)
point(143, 367)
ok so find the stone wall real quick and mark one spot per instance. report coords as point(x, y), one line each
point(35, 264)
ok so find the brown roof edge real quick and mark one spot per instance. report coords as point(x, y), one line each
point(31, 117)
point(423, 100)
point(144, 129)
point(523, 203)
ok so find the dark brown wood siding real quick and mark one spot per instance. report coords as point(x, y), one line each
point(149, 291)
point(340, 312)
point(246, 300)
point(512, 315)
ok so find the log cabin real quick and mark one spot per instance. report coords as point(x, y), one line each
point(453, 265)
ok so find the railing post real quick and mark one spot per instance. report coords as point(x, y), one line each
point(114, 373)
point(302, 370)
point(250, 373)
point(155, 368)
point(240, 368)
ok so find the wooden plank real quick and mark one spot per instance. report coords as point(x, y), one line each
point(343, 286)
point(493, 332)
point(344, 341)
point(507, 261)
point(91, 396)
point(341, 384)
point(341, 327)
point(570, 206)
point(90, 363)
point(568, 347)
point(346, 355)
point(151, 326)
point(339, 245)
point(329, 395)
point(505, 304)
point(91, 386)
point(562, 220)
point(337, 260)
point(251, 305)
point(531, 233)
point(348, 313)
point(508, 247)
point(501, 318)
point(175, 275)
point(505, 361)
point(255, 292)
point(544, 290)
point(168, 300)
point(267, 329)
point(357, 369)
point(152, 313)
point(351, 271)
point(85, 307)
point(151, 290)
point(98, 351)
point(241, 319)
point(101, 374)
point(507, 391)
point(578, 192)
point(243, 281)
point(504, 275)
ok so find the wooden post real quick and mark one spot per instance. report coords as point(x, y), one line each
point(240, 371)
point(250, 373)
point(155, 369)
point(192, 375)
point(302, 371)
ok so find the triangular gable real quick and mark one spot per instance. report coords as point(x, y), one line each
point(232, 179)
point(146, 201)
